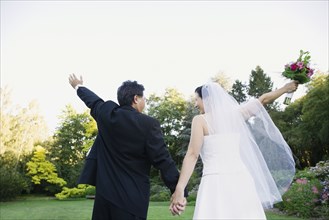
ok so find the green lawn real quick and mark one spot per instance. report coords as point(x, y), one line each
point(46, 208)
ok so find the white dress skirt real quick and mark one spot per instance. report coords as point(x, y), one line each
point(227, 190)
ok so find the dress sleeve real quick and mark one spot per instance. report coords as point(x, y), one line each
point(250, 108)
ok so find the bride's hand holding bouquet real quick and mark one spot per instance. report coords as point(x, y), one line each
point(299, 71)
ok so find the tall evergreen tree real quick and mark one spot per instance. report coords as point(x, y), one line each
point(239, 91)
point(259, 83)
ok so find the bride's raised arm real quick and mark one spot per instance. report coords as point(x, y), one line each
point(251, 108)
point(271, 96)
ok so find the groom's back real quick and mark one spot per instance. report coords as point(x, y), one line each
point(124, 163)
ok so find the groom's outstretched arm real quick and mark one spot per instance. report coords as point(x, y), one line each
point(161, 158)
point(92, 101)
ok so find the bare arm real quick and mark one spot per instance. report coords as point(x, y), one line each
point(271, 96)
point(189, 162)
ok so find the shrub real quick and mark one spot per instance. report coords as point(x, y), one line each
point(306, 173)
point(12, 182)
point(319, 175)
point(321, 171)
point(77, 192)
point(43, 173)
point(192, 194)
point(90, 191)
point(302, 197)
point(159, 193)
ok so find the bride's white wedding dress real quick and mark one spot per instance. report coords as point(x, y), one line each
point(227, 190)
point(247, 165)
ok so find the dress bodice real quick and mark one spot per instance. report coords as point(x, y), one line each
point(221, 154)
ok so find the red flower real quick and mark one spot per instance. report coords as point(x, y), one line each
point(293, 67)
point(300, 65)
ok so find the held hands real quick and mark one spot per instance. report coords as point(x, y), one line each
point(74, 81)
point(178, 203)
point(291, 87)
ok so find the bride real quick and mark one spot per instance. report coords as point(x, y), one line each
point(247, 165)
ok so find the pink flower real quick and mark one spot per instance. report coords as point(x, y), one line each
point(300, 69)
point(301, 181)
point(315, 190)
point(300, 65)
point(293, 67)
point(310, 72)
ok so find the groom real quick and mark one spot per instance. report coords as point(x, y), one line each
point(127, 145)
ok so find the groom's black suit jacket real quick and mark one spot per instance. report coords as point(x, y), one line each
point(119, 163)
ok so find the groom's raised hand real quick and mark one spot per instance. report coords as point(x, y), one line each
point(74, 81)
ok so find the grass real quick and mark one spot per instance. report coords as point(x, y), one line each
point(48, 208)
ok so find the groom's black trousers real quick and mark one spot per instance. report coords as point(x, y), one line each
point(104, 210)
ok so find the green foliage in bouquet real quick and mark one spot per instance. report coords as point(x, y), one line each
point(299, 70)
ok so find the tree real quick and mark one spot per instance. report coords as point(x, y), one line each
point(304, 124)
point(72, 140)
point(239, 91)
point(316, 118)
point(21, 128)
point(259, 83)
point(223, 80)
point(170, 110)
point(43, 172)
point(12, 182)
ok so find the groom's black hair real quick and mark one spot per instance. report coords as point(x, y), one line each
point(199, 91)
point(127, 91)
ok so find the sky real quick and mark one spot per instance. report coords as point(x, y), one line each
point(161, 44)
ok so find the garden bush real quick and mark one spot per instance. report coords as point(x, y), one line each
point(12, 182)
point(302, 197)
point(321, 171)
point(308, 195)
point(77, 192)
point(159, 193)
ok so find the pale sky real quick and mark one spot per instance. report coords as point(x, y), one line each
point(161, 44)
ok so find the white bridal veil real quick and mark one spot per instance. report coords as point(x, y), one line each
point(262, 147)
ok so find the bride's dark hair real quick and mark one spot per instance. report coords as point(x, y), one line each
point(199, 91)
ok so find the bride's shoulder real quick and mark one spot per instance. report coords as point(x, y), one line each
point(198, 118)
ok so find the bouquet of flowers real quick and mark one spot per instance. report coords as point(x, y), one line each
point(299, 70)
